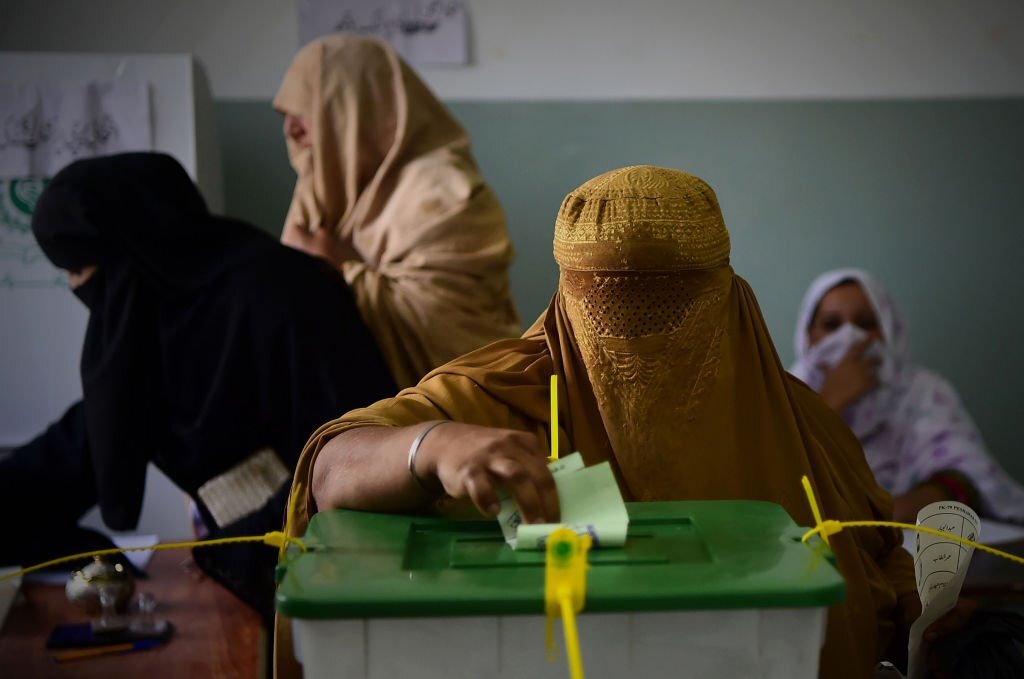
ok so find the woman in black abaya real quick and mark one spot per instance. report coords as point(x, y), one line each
point(211, 351)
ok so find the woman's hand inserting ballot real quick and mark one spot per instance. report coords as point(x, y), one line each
point(475, 462)
point(367, 469)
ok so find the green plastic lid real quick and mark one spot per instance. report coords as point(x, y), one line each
point(678, 555)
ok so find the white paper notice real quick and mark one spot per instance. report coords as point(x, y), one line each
point(46, 125)
point(43, 127)
point(940, 566)
point(422, 31)
point(22, 262)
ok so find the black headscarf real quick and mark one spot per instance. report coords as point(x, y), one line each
point(207, 340)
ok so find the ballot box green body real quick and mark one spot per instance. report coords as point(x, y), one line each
point(722, 588)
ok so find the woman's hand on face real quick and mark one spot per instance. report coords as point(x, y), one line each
point(851, 378)
point(475, 462)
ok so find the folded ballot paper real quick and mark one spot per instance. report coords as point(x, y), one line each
point(940, 565)
point(590, 502)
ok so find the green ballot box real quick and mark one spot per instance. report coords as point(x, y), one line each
point(701, 589)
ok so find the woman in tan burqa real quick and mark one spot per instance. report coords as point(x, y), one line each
point(666, 370)
point(388, 191)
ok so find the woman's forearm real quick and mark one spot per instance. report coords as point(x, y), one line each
point(367, 469)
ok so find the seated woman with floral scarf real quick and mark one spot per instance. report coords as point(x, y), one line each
point(919, 440)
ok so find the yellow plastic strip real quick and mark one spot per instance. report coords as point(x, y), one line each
point(565, 589)
point(274, 539)
point(550, 652)
point(831, 527)
point(554, 418)
point(572, 640)
point(814, 505)
point(289, 519)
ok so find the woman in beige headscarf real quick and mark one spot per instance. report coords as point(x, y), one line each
point(666, 371)
point(388, 191)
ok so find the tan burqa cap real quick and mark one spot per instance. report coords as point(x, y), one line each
point(390, 180)
point(667, 371)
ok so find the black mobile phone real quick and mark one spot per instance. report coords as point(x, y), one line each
point(83, 635)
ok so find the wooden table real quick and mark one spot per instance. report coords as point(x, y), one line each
point(216, 635)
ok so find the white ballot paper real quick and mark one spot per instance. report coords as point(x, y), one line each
point(940, 566)
point(590, 502)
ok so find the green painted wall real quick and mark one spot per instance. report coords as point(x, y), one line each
point(928, 194)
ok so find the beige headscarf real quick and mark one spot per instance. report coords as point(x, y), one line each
point(668, 372)
point(390, 182)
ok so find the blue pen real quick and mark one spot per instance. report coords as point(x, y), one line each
point(96, 651)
